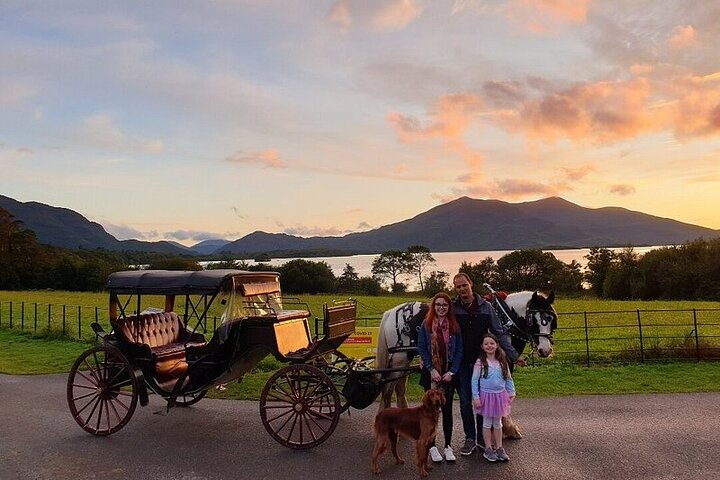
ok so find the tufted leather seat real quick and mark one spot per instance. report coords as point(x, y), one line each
point(166, 337)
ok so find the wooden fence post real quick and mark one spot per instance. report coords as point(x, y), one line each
point(642, 350)
point(587, 340)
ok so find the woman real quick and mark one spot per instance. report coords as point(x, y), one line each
point(440, 349)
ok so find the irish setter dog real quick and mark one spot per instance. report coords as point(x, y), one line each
point(417, 423)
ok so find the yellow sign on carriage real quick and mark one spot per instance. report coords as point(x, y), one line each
point(362, 343)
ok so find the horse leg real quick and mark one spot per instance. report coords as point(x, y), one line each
point(386, 396)
point(400, 393)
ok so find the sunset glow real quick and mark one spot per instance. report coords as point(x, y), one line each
point(207, 120)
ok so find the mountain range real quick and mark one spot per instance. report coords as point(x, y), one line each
point(464, 224)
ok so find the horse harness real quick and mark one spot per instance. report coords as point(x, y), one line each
point(508, 318)
point(408, 324)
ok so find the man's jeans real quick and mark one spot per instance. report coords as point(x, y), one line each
point(472, 424)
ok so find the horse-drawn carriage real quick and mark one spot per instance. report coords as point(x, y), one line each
point(157, 346)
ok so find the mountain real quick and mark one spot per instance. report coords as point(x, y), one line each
point(468, 224)
point(207, 247)
point(464, 224)
point(62, 227)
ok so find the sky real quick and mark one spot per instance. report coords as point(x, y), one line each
point(197, 120)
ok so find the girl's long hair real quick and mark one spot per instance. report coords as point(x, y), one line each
point(499, 356)
point(430, 317)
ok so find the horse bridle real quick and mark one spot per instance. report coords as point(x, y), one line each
point(547, 317)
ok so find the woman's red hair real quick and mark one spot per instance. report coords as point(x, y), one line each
point(430, 317)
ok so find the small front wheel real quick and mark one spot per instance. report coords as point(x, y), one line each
point(300, 406)
point(102, 390)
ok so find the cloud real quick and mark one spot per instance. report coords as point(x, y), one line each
point(314, 231)
point(15, 93)
point(102, 131)
point(579, 172)
point(622, 189)
point(126, 232)
point(396, 15)
point(268, 158)
point(683, 37)
point(237, 213)
point(503, 189)
point(541, 16)
point(381, 16)
point(339, 15)
point(449, 119)
point(197, 236)
point(535, 16)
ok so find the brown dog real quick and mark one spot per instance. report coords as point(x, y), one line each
point(417, 423)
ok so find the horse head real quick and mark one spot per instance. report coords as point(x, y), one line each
point(541, 318)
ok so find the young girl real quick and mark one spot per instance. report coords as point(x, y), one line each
point(493, 391)
point(440, 349)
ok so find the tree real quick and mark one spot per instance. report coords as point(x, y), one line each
point(347, 282)
point(535, 269)
point(174, 263)
point(391, 265)
point(436, 282)
point(484, 272)
point(599, 261)
point(419, 259)
point(624, 279)
point(304, 276)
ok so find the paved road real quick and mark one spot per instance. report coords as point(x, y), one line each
point(614, 437)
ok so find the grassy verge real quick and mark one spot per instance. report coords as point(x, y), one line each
point(24, 354)
point(560, 380)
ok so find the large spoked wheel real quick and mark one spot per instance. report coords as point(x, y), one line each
point(336, 365)
point(300, 406)
point(102, 390)
point(190, 398)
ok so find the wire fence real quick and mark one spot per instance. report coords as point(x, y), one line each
point(582, 337)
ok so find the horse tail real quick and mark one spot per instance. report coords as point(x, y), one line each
point(382, 354)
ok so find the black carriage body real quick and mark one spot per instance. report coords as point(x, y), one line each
point(164, 350)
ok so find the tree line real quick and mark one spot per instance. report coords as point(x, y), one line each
point(690, 271)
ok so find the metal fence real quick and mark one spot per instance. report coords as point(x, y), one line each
point(582, 337)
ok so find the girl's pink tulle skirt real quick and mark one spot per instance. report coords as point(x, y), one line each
point(494, 404)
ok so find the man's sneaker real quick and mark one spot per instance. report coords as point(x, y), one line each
point(467, 447)
point(490, 455)
point(502, 455)
point(449, 455)
point(435, 454)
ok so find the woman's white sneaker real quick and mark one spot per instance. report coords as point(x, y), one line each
point(449, 455)
point(435, 454)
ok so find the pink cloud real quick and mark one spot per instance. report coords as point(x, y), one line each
point(540, 16)
point(683, 37)
point(450, 117)
point(579, 172)
point(268, 158)
point(622, 189)
point(396, 15)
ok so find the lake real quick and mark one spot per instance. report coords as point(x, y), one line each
point(448, 262)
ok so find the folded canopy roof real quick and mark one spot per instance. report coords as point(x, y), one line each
point(169, 282)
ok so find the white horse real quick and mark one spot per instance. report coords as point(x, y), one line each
point(531, 319)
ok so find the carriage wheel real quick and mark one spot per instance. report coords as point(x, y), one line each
point(300, 406)
point(336, 365)
point(102, 390)
point(190, 398)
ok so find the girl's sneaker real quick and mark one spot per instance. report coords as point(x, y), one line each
point(501, 454)
point(449, 455)
point(435, 454)
point(490, 455)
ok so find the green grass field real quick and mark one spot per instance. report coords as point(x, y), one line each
point(667, 327)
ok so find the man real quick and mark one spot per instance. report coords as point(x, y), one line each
point(476, 317)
